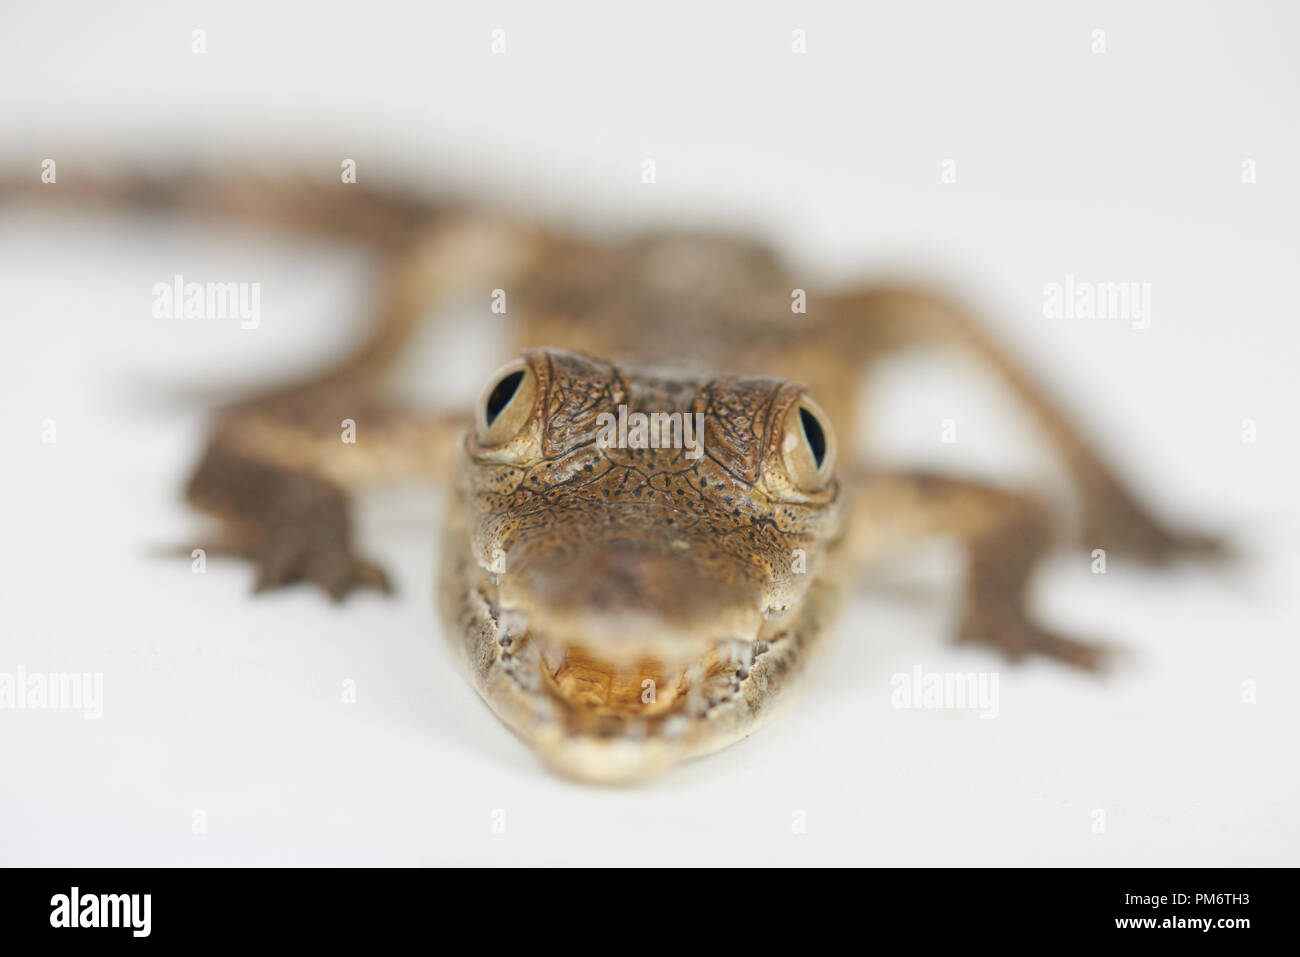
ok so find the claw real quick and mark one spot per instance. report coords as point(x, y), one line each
point(1116, 520)
point(333, 569)
point(1004, 625)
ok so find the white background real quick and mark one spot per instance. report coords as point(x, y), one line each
point(1122, 166)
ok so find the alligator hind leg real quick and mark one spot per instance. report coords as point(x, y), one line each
point(428, 252)
point(277, 475)
point(877, 321)
point(1004, 534)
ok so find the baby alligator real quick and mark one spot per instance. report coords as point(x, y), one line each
point(640, 550)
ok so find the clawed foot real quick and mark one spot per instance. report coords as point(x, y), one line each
point(336, 571)
point(294, 526)
point(1114, 521)
point(1001, 621)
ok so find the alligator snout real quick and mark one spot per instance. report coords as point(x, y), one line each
point(628, 597)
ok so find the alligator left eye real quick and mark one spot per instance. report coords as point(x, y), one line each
point(506, 403)
point(808, 447)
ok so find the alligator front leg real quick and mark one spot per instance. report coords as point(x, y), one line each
point(1004, 534)
point(278, 476)
point(877, 321)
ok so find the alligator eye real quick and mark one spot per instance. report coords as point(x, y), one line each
point(808, 448)
point(506, 403)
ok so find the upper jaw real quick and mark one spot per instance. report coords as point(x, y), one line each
point(627, 594)
point(620, 627)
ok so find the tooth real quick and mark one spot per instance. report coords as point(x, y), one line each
point(696, 701)
point(513, 622)
point(675, 727)
point(727, 651)
point(775, 613)
point(554, 658)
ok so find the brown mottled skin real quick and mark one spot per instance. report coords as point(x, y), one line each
point(620, 566)
point(625, 608)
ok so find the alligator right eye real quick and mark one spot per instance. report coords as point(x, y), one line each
point(506, 403)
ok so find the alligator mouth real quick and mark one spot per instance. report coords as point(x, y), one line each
point(590, 692)
point(627, 651)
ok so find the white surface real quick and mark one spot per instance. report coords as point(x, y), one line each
point(1115, 167)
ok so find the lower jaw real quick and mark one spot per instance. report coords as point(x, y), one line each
point(595, 760)
point(596, 741)
point(633, 748)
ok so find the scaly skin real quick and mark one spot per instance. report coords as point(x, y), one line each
point(578, 578)
point(625, 607)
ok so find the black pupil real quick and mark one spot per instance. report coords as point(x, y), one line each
point(502, 394)
point(812, 431)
